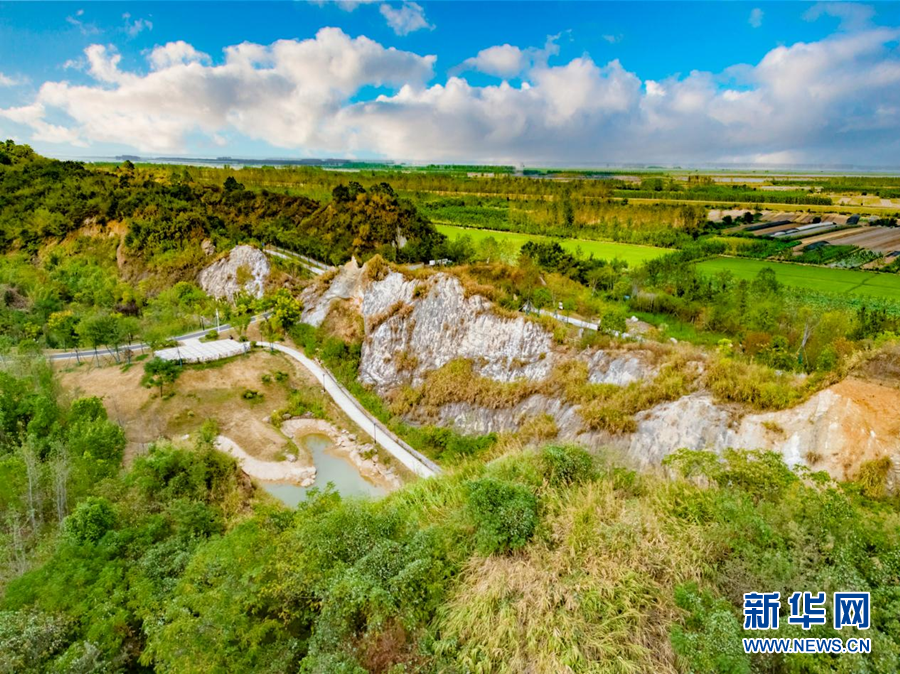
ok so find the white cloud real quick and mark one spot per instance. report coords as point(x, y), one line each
point(33, 116)
point(136, 27)
point(8, 81)
point(612, 39)
point(406, 19)
point(176, 53)
point(503, 61)
point(84, 28)
point(508, 61)
point(831, 101)
point(346, 5)
point(285, 93)
point(852, 15)
point(756, 17)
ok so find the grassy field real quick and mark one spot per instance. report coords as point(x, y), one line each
point(794, 208)
point(604, 250)
point(862, 283)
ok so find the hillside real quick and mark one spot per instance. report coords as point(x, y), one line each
point(82, 242)
point(445, 356)
point(542, 560)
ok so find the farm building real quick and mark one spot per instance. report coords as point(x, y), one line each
point(195, 351)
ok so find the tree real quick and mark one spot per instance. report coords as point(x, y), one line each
point(92, 518)
point(286, 310)
point(63, 325)
point(33, 470)
point(159, 372)
point(241, 313)
point(232, 185)
point(60, 469)
point(97, 330)
point(269, 331)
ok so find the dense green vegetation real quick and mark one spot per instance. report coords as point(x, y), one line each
point(733, 194)
point(521, 556)
point(178, 564)
point(601, 250)
point(838, 281)
point(99, 257)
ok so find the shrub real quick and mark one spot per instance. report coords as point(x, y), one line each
point(872, 477)
point(564, 465)
point(754, 385)
point(505, 514)
point(30, 639)
point(446, 445)
point(91, 519)
point(710, 639)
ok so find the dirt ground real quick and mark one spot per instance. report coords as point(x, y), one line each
point(210, 392)
point(870, 422)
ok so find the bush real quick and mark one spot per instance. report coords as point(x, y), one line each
point(710, 640)
point(754, 385)
point(29, 639)
point(446, 445)
point(872, 477)
point(565, 465)
point(91, 520)
point(504, 513)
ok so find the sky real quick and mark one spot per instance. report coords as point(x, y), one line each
point(530, 83)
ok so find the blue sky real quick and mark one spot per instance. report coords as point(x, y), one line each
point(532, 82)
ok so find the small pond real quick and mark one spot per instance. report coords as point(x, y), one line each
point(346, 478)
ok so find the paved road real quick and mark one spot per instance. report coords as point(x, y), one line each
point(90, 353)
point(313, 266)
point(409, 457)
point(587, 325)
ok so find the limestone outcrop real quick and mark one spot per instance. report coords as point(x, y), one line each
point(244, 269)
point(414, 326)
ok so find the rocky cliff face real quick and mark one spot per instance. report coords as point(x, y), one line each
point(414, 326)
point(245, 269)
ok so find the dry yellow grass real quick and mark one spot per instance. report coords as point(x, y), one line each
point(602, 406)
point(596, 595)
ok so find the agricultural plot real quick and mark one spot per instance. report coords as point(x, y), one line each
point(602, 250)
point(820, 279)
point(881, 239)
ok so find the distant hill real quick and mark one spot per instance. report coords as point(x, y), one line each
point(361, 223)
point(166, 213)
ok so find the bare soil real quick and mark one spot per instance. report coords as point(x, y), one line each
point(872, 426)
point(209, 393)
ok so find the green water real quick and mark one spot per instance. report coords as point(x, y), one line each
point(340, 472)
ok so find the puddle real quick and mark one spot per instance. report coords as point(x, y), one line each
point(343, 474)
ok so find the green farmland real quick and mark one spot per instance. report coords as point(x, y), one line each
point(824, 279)
point(603, 250)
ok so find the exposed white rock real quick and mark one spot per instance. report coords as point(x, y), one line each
point(434, 322)
point(619, 368)
point(414, 327)
point(245, 269)
point(273, 471)
point(346, 285)
point(445, 325)
point(836, 430)
point(693, 422)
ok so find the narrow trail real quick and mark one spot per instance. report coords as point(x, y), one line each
point(380, 434)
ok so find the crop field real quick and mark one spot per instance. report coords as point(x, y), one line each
point(602, 250)
point(824, 279)
point(751, 205)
